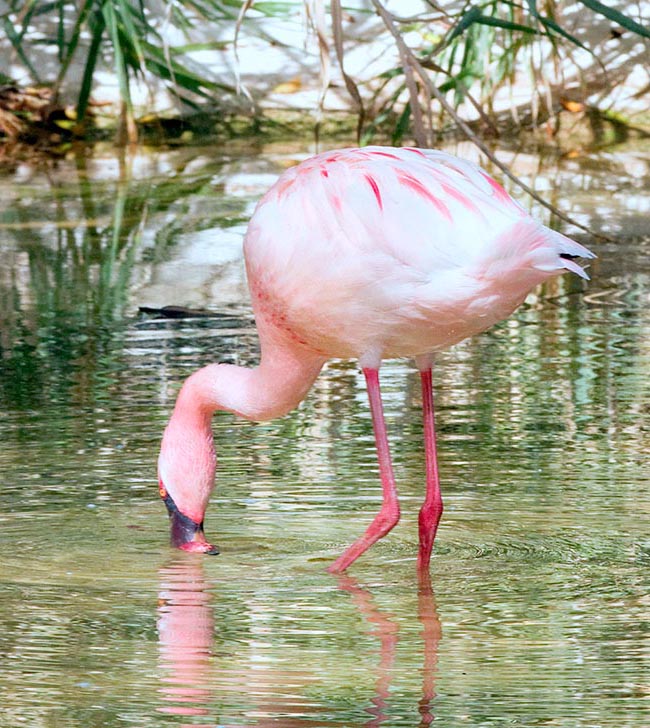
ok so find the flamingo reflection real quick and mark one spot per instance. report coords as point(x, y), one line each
point(386, 630)
point(191, 681)
point(186, 635)
point(431, 636)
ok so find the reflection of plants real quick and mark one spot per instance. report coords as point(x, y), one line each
point(63, 316)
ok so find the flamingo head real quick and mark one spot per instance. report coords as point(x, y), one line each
point(186, 470)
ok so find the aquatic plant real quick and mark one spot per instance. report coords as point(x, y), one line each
point(131, 34)
point(460, 54)
point(454, 58)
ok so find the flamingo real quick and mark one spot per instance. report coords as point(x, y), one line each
point(368, 253)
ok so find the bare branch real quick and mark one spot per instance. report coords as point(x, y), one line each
point(337, 31)
point(410, 61)
point(422, 138)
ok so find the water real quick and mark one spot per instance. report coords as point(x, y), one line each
point(539, 610)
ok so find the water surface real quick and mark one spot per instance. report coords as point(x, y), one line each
point(538, 612)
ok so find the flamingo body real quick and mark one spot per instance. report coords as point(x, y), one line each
point(375, 253)
point(368, 254)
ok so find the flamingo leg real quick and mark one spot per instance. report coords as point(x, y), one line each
point(388, 516)
point(431, 510)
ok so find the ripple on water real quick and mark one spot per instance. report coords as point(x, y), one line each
point(538, 613)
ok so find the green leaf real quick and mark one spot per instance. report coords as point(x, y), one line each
point(121, 66)
point(205, 10)
point(171, 70)
point(97, 27)
point(402, 125)
point(44, 8)
point(216, 45)
point(617, 17)
point(60, 32)
point(275, 9)
point(129, 33)
point(552, 25)
point(392, 73)
point(468, 19)
point(16, 42)
point(507, 24)
point(475, 16)
point(73, 43)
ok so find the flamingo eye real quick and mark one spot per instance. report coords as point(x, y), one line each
point(161, 489)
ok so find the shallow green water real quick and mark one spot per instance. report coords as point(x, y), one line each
point(539, 612)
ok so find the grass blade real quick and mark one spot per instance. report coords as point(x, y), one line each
point(97, 27)
point(16, 42)
point(617, 17)
point(551, 25)
point(469, 18)
point(130, 32)
point(73, 43)
point(507, 24)
point(401, 127)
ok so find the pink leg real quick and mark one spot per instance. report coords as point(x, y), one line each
point(431, 510)
point(388, 516)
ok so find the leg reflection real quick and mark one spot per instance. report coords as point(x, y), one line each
point(387, 632)
point(386, 629)
point(431, 636)
point(186, 635)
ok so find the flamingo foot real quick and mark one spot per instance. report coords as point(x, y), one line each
point(384, 521)
point(428, 523)
point(349, 556)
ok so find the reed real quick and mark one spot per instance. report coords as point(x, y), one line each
point(466, 51)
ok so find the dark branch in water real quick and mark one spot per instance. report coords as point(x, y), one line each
point(175, 312)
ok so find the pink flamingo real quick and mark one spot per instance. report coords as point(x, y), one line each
point(367, 253)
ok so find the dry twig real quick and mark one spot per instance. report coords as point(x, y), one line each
point(411, 66)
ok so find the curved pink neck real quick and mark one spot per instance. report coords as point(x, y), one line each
point(276, 386)
point(187, 459)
